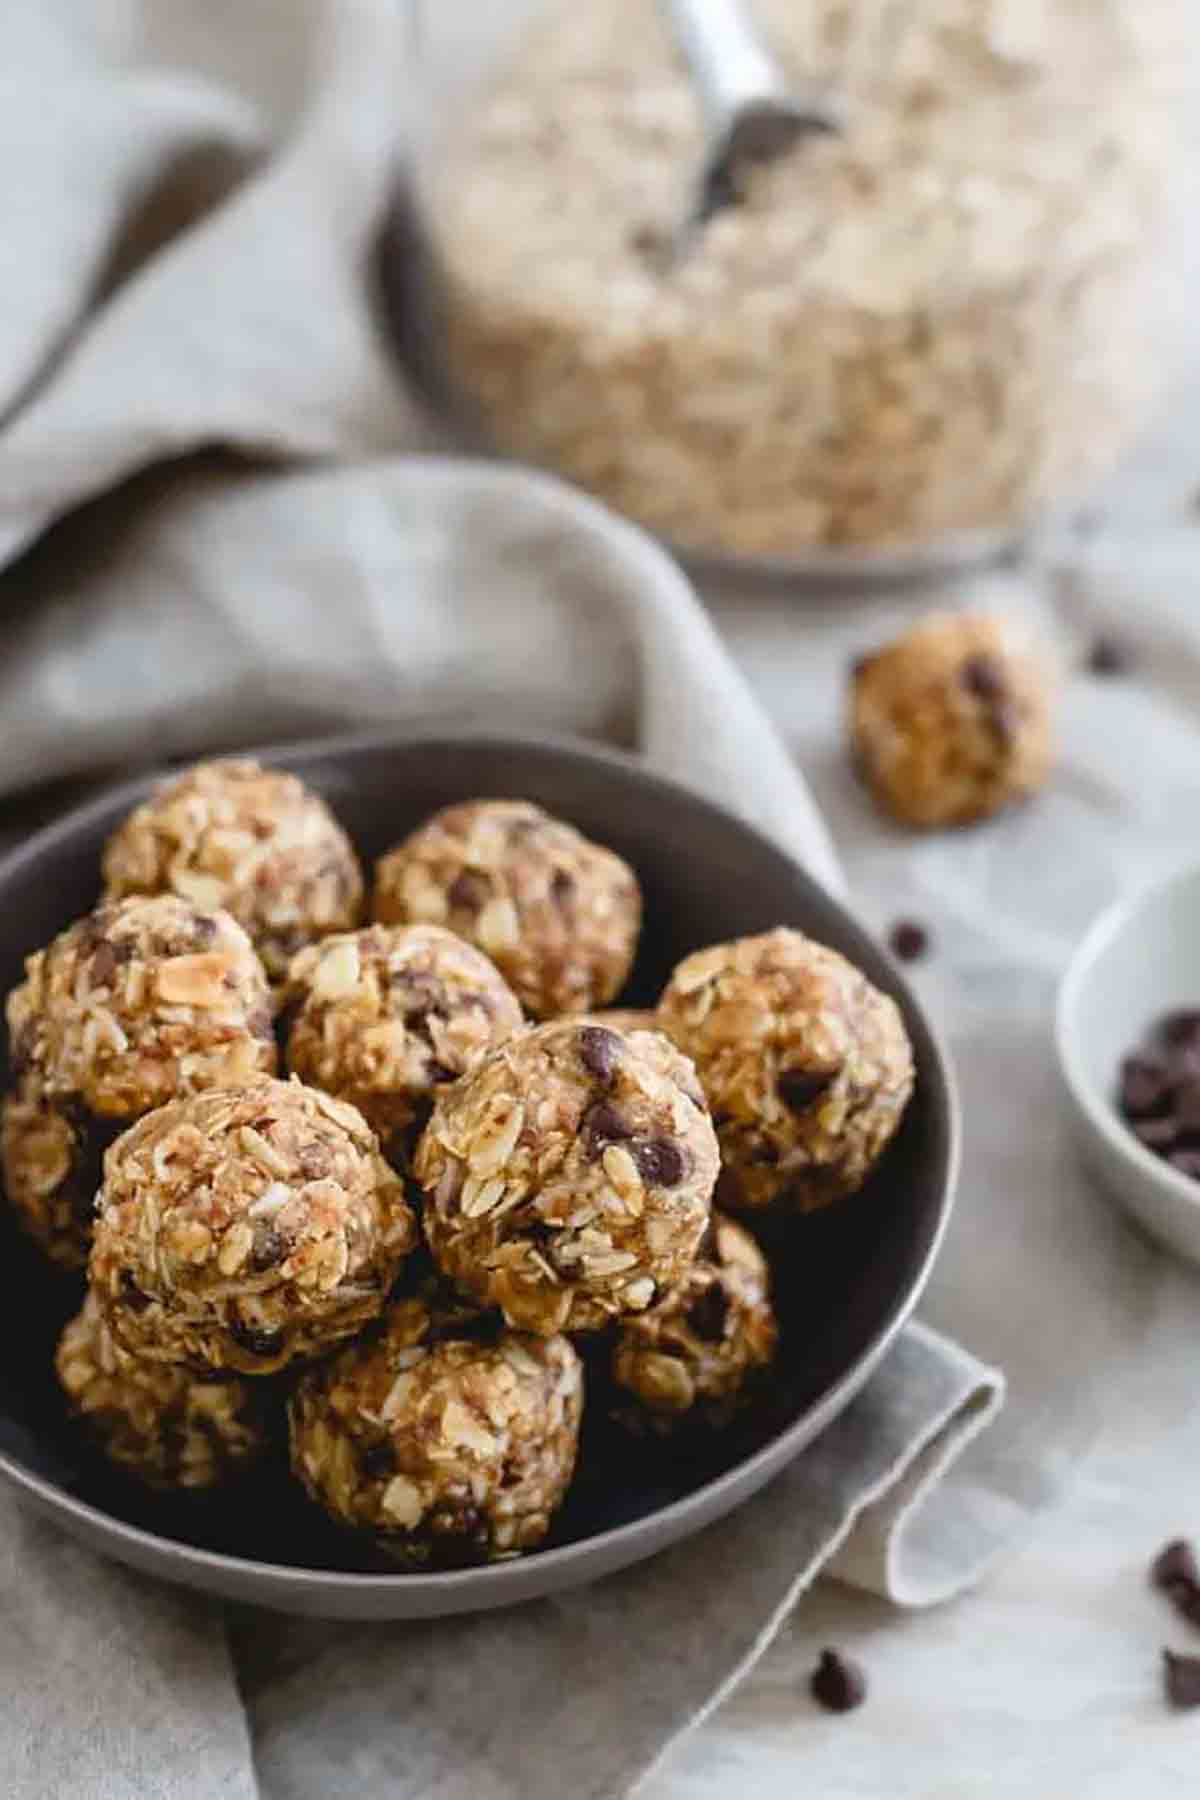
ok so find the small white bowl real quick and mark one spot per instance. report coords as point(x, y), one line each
point(1140, 960)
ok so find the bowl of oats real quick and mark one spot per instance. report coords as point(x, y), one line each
point(899, 346)
point(576, 1170)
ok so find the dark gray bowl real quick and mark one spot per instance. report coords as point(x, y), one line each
point(845, 1279)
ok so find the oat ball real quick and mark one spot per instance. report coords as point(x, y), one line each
point(559, 916)
point(243, 1230)
point(807, 1067)
point(140, 1001)
point(446, 1449)
point(952, 721)
point(696, 1357)
point(384, 1016)
point(567, 1178)
point(163, 1424)
point(253, 840)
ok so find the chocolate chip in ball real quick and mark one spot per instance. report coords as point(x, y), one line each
point(1174, 1563)
point(838, 1684)
point(603, 1124)
point(204, 930)
point(254, 1340)
point(599, 1051)
point(1181, 1681)
point(798, 1088)
point(983, 676)
point(269, 1247)
point(908, 940)
point(660, 1162)
point(468, 892)
point(709, 1313)
point(1145, 1085)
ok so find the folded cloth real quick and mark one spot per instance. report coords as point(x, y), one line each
point(193, 198)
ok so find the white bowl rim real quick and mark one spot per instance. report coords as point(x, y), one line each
point(1099, 1110)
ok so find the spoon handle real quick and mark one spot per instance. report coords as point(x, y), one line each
point(729, 64)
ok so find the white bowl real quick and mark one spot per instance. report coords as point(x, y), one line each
point(1139, 960)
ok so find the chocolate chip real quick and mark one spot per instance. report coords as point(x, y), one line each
point(1174, 1563)
point(255, 1341)
point(838, 1684)
point(660, 1162)
point(469, 892)
point(798, 1088)
point(1180, 1030)
point(709, 1313)
point(1108, 657)
point(378, 1460)
point(268, 1248)
point(984, 676)
point(562, 887)
point(599, 1052)
point(104, 964)
point(440, 1073)
point(1145, 1085)
point(908, 940)
point(603, 1124)
point(1181, 1680)
point(204, 930)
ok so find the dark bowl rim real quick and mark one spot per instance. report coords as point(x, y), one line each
point(489, 1581)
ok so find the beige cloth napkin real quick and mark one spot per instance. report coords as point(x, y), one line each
point(193, 196)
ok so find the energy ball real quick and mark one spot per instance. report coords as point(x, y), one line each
point(807, 1067)
point(245, 1230)
point(952, 721)
point(446, 1449)
point(253, 840)
point(163, 1424)
point(385, 1016)
point(559, 916)
point(567, 1178)
point(697, 1355)
point(138, 1002)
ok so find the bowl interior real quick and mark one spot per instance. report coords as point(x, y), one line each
point(843, 1278)
point(1140, 961)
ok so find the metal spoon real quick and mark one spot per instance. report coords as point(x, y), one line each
point(750, 114)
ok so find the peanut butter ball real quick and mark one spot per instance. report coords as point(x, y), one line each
point(568, 1176)
point(446, 1449)
point(140, 1001)
point(807, 1067)
point(256, 841)
point(246, 1229)
point(385, 1016)
point(952, 721)
point(558, 915)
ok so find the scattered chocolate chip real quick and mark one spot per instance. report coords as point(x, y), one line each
point(599, 1051)
point(378, 1460)
point(660, 1161)
point(104, 964)
point(1145, 1085)
point(1108, 657)
point(269, 1247)
point(798, 1088)
point(838, 1684)
point(255, 1341)
point(603, 1124)
point(984, 676)
point(1174, 1563)
point(709, 1313)
point(908, 940)
point(562, 887)
point(468, 892)
point(1181, 1680)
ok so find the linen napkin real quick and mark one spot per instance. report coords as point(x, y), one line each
point(193, 199)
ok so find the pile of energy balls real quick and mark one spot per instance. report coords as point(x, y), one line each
point(467, 1167)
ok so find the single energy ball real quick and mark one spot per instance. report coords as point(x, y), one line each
point(140, 1001)
point(568, 1176)
point(698, 1355)
point(385, 1016)
point(807, 1067)
point(253, 840)
point(166, 1425)
point(952, 721)
point(559, 916)
point(447, 1449)
point(243, 1230)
